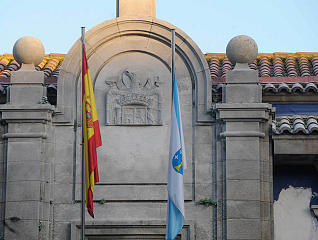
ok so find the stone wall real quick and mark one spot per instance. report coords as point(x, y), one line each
point(129, 59)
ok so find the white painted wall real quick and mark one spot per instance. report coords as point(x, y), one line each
point(293, 219)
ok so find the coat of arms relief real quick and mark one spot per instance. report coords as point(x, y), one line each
point(133, 100)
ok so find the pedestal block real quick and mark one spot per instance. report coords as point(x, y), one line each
point(248, 164)
point(29, 134)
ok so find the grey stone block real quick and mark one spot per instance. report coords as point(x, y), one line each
point(203, 172)
point(26, 94)
point(26, 210)
point(64, 134)
point(266, 172)
point(63, 173)
point(203, 191)
point(243, 111)
point(243, 209)
point(204, 134)
point(243, 190)
point(24, 229)
point(242, 126)
point(242, 76)
point(63, 153)
point(267, 231)
point(243, 229)
point(28, 171)
point(266, 211)
point(23, 191)
point(265, 191)
point(243, 93)
point(63, 193)
point(23, 151)
point(243, 169)
point(68, 212)
point(61, 230)
point(27, 78)
point(36, 113)
point(295, 145)
point(26, 127)
point(145, 192)
point(249, 150)
point(203, 153)
point(203, 231)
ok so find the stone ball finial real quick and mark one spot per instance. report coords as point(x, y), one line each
point(28, 50)
point(242, 49)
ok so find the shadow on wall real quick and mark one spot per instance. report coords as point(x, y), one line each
point(296, 176)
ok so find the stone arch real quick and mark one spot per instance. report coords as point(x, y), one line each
point(149, 35)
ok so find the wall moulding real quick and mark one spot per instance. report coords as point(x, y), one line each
point(133, 230)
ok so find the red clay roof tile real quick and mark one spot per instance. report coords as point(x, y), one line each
point(277, 67)
point(50, 65)
point(272, 67)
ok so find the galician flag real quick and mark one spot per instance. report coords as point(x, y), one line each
point(91, 134)
point(177, 163)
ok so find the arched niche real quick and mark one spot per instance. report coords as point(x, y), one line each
point(145, 35)
point(126, 56)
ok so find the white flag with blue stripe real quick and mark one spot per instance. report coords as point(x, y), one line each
point(177, 163)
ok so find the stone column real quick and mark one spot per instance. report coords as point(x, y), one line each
point(248, 173)
point(29, 147)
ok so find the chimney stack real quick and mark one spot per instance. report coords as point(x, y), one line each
point(139, 8)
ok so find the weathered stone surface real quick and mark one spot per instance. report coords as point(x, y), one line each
point(143, 8)
point(23, 191)
point(295, 145)
point(28, 50)
point(242, 49)
point(246, 162)
point(238, 151)
point(30, 210)
point(244, 229)
point(24, 229)
point(243, 209)
point(243, 190)
point(21, 151)
point(234, 93)
point(243, 170)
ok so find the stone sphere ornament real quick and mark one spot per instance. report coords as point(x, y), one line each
point(242, 49)
point(28, 50)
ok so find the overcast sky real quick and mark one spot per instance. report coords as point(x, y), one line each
point(276, 25)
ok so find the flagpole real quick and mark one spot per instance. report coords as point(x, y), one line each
point(173, 49)
point(83, 160)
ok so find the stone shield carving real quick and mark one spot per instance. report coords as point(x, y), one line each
point(133, 100)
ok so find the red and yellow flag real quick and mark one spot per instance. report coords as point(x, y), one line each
point(91, 134)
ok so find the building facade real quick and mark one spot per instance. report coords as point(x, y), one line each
point(250, 133)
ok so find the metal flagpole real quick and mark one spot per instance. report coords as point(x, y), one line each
point(83, 159)
point(173, 49)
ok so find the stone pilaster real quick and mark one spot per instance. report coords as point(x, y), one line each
point(28, 158)
point(248, 173)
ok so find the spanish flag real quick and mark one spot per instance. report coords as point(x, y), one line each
point(91, 134)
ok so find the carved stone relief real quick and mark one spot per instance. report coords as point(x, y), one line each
point(133, 100)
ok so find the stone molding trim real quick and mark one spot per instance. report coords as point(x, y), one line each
point(314, 208)
point(121, 35)
point(122, 229)
point(24, 135)
point(239, 111)
point(242, 134)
